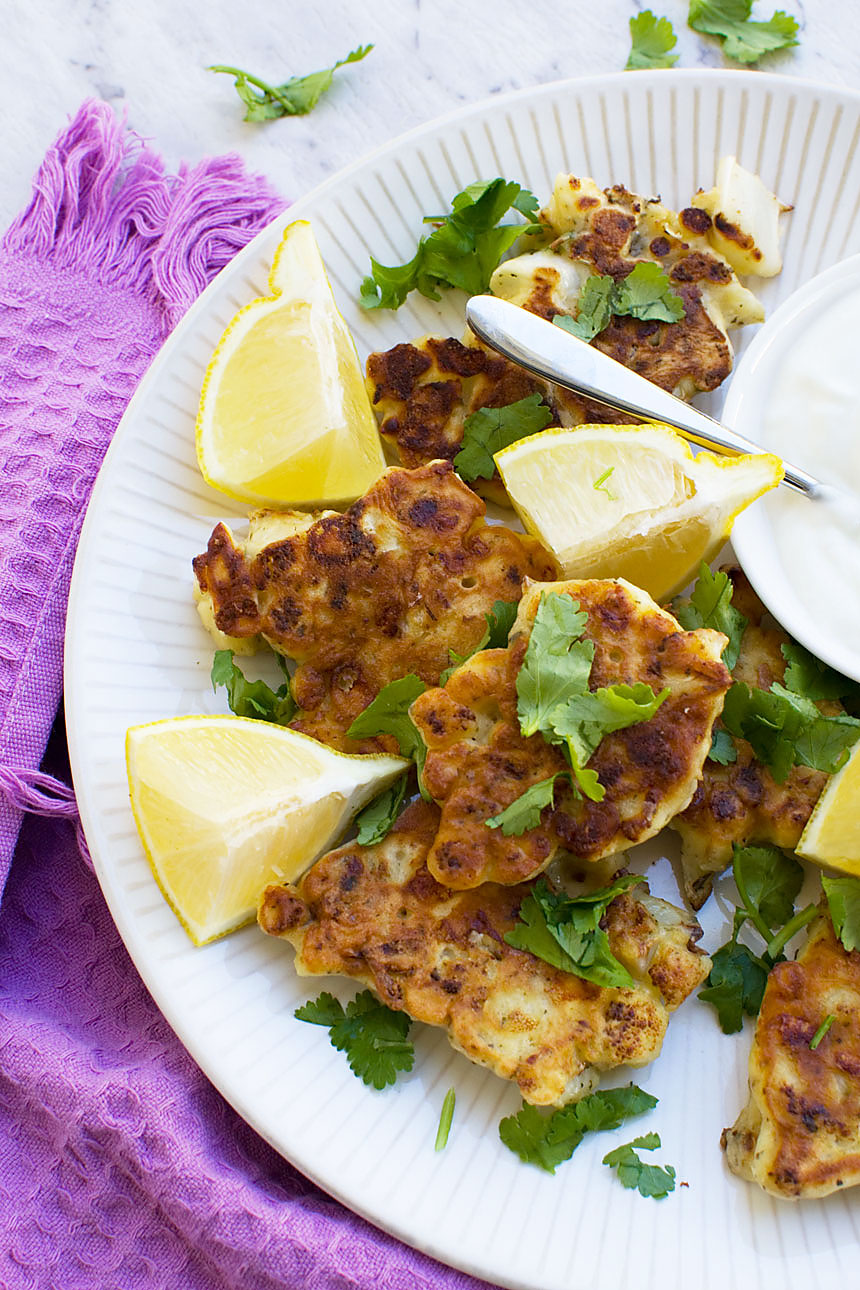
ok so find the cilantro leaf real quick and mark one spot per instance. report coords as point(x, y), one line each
point(500, 620)
point(593, 308)
point(769, 881)
point(557, 663)
point(807, 675)
point(843, 901)
point(463, 249)
point(646, 294)
point(722, 749)
point(710, 605)
point(489, 430)
point(825, 742)
point(388, 714)
point(548, 1140)
point(377, 818)
point(565, 931)
point(587, 717)
point(633, 1173)
point(372, 1036)
point(296, 97)
point(743, 40)
point(735, 985)
point(770, 724)
point(252, 698)
point(652, 39)
point(525, 811)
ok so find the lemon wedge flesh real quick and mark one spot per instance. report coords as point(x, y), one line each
point(832, 833)
point(225, 805)
point(284, 415)
point(630, 501)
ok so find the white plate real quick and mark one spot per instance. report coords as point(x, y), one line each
point(136, 652)
point(786, 590)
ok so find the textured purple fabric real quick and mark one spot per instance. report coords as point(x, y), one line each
point(120, 1165)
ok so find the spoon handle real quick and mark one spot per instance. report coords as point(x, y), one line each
point(553, 353)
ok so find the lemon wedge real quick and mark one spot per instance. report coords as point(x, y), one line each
point(630, 501)
point(284, 415)
point(225, 805)
point(832, 833)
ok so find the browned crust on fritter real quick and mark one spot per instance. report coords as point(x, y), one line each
point(377, 915)
point(742, 802)
point(800, 1133)
point(478, 762)
point(360, 599)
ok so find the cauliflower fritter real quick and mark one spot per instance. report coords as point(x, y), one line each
point(478, 762)
point(407, 574)
point(377, 915)
point(799, 1134)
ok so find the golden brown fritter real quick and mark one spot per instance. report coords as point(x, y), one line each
point(799, 1134)
point(742, 802)
point(423, 392)
point(360, 599)
point(377, 915)
point(478, 762)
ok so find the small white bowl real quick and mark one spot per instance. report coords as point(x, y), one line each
point(786, 590)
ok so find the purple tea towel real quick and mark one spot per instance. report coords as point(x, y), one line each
point(120, 1165)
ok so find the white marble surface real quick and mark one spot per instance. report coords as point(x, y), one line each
point(149, 58)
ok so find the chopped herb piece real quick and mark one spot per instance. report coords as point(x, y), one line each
point(500, 620)
point(786, 729)
point(375, 821)
point(489, 430)
point(768, 881)
point(525, 811)
point(445, 1120)
point(633, 1173)
point(652, 40)
point(296, 97)
point(710, 605)
point(587, 717)
point(735, 985)
point(463, 249)
point(388, 714)
point(843, 901)
point(647, 294)
point(743, 40)
point(566, 932)
point(593, 308)
point(372, 1036)
point(600, 485)
point(722, 749)
point(807, 675)
point(252, 698)
point(822, 1031)
point(548, 1140)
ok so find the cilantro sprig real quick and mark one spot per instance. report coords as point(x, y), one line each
point(500, 619)
point(651, 41)
point(645, 293)
point(786, 729)
point(566, 931)
point(743, 40)
point(489, 430)
point(295, 97)
point(388, 714)
point(253, 698)
point(710, 605)
point(462, 250)
point(649, 1180)
point(373, 1037)
point(548, 1140)
point(377, 819)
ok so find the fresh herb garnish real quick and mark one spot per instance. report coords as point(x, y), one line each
point(463, 249)
point(843, 901)
point(548, 1140)
point(296, 97)
point(633, 1173)
point(722, 749)
point(768, 882)
point(645, 293)
point(489, 430)
point(372, 1036)
point(743, 40)
point(566, 932)
point(525, 811)
point(807, 675)
point(376, 820)
point(445, 1120)
point(388, 714)
point(822, 1031)
point(786, 729)
point(500, 620)
point(652, 39)
point(600, 485)
point(253, 698)
point(710, 605)
point(587, 717)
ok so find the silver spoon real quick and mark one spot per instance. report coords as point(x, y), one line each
point(555, 354)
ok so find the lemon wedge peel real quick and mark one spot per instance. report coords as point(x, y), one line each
point(225, 805)
point(832, 833)
point(284, 417)
point(630, 501)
